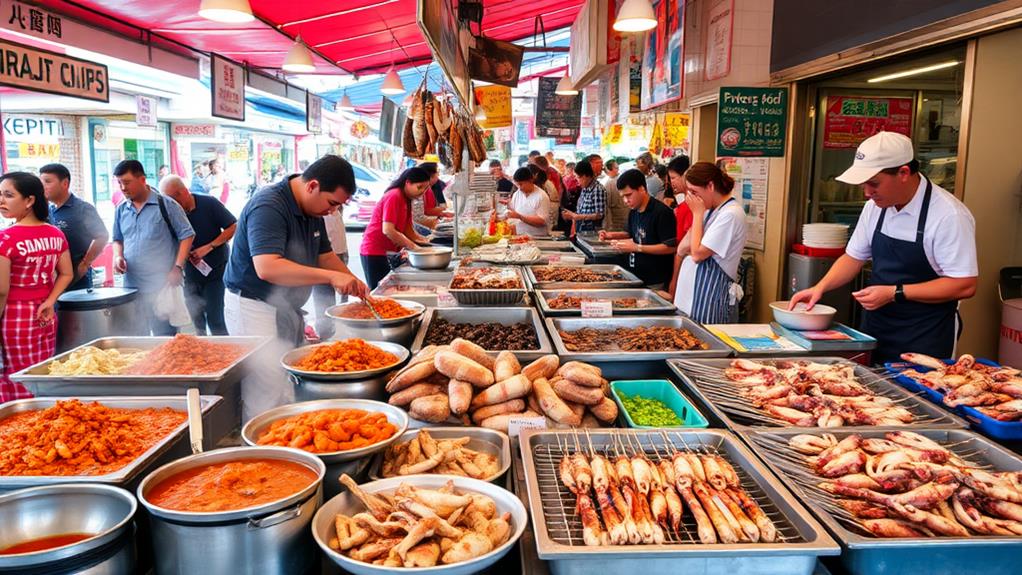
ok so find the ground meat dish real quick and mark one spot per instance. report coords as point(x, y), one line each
point(489, 336)
point(631, 339)
point(564, 301)
point(574, 275)
point(486, 278)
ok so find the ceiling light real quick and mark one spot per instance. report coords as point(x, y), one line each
point(564, 87)
point(914, 71)
point(635, 16)
point(346, 102)
point(392, 85)
point(299, 58)
point(226, 11)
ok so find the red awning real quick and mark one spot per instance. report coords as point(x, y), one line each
point(354, 35)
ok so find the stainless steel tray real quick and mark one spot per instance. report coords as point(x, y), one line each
point(717, 348)
point(628, 279)
point(38, 380)
point(491, 297)
point(501, 315)
point(867, 555)
point(927, 414)
point(656, 304)
point(554, 245)
point(295, 355)
point(558, 530)
point(129, 472)
point(434, 279)
point(480, 439)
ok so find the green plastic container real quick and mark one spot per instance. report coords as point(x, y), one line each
point(661, 390)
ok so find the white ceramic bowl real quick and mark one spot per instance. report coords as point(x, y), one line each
point(819, 318)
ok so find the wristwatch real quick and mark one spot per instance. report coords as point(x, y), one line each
point(179, 266)
point(899, 294)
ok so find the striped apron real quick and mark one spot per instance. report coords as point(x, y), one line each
point(713, 299)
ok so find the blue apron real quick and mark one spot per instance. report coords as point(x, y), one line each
point(910, 326)
point(711, 298)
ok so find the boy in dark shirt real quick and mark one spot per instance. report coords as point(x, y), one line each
point(649, 237)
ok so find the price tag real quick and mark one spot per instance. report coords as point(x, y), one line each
point(553, 260)
point(444, 298)
point(597, 308)
point(515, 425)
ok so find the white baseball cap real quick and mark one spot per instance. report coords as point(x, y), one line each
point(878, 152)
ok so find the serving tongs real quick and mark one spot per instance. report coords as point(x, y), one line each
point(369, 304)
point(194, 420)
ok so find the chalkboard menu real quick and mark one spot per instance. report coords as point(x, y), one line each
point(752, 122)
point(557, 116)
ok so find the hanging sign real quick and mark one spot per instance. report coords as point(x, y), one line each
point(613, 134)
point(360, 130)
point(662, 71)
point(42, 151)
point(39, 70)
point(656, 141)
point(557, 116)
point(676, 127)
point(438, 21)
point(228, 88)
point(495, 61)
point(495, 102)
point(719, 32)
point(313, 113)
point(523, 131)
point(752, 121)
point(145, 111)
point(195, 130)
point(851, 119)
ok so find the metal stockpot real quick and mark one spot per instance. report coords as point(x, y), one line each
point(87, 314)
point(52, 510)
point(309, 389)
point(265, 540)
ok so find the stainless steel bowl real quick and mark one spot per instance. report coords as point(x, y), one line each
point(398, 330)
point(258, 425)
point(432, 258)
point(323, 523)
point(51, 510)
point(294, 356)
point(374, 388)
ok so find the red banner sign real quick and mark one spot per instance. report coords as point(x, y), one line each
point(850, 120)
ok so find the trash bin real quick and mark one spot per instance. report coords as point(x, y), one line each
point(1009, 288)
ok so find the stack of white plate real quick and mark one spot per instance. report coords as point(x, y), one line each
point(825, 235)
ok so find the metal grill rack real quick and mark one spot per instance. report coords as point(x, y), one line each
point(706, 379)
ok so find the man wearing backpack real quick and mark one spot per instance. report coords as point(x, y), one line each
point(152, 239)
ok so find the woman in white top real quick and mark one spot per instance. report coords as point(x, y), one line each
point(707, 282)
point(529, 206)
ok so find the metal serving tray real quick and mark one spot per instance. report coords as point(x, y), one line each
point(171, 447)
point(501, 315)
point(480, 439)
point(434, 279)
point(926, 413)
point(558, 530)
point(493, 297)
point(38, 380)
point(628, 279)
point(554, 324)
point(867, 555)
point(554, 245)
point(656, 304)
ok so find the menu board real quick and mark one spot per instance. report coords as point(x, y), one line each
point(750, 175)
point(852, 119)
point(752, 121)
point(557, 116)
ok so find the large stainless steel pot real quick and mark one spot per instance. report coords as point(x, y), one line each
point(268, 539)
point(54, 510)
point(310, 389)
point(399, 330)
point(87, 314)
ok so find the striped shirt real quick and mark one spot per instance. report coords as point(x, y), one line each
point(592, 200)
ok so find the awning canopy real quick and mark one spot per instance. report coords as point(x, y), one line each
point(358, 36)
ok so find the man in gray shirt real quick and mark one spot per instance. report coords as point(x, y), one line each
point(86, 235)
point(152, 238)
point(654, 185)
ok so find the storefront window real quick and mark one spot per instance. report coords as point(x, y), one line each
point(926, 106)
point(34, 141)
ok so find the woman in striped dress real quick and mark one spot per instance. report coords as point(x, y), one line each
point(707, 289)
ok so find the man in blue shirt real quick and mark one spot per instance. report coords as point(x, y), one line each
point(152, 238)
point(204, 275)
point(86, 235)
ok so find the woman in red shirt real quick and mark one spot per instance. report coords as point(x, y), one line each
point(35, 268)
point(391, 227)
point(682, 213)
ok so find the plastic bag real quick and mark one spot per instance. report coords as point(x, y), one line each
point(170, 305)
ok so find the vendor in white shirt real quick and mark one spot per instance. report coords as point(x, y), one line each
point(922, 242)
point(529, 206)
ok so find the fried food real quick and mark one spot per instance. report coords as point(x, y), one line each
point(572, 274)
point(565, 301)
point(346, 355)
point(74, 438)
point(490, 336)
point(329, 430)
point(91, 360)
point(387, 308)
point(187, 355)
point(425, 454)
point(486, 278)
point(631, 339)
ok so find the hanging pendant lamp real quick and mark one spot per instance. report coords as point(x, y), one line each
point(564, 87)
point(226, 11)
point(299, 58)
point(392, 85)
point(635, 16)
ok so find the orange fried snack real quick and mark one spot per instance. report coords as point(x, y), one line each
point(346, 355)
point(387, 308)
point(186, 355)
point(75, 438)
point(329, 430)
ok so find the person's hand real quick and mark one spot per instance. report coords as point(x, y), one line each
point(200, 252)
point(808, 296)
point(627, 246)
point(44, 313)
point(511, 214)
point(347, 284)
point(83, 268)
point(175, 276)
point(696, 204)
point(874, 297)
point(602, 235)
point(568, 215)
point(120, 265)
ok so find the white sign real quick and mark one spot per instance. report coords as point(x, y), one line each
point(597, 308)
point(445, 299)
point(228, 88)
point(313, 113)
point(515, 425)
point(751, 176)
point(16, 125)
point(145, 111)
point(195, 130)
point(718, 39)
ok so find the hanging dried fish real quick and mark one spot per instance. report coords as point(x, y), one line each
point(476, 146)
point(408, 139)
point(457, 144)
point(442, 117)
point(444, 153)
point(419, 127)
point(430, 127)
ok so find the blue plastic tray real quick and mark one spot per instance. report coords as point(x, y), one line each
point(1009, 430)
point(661, 390)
